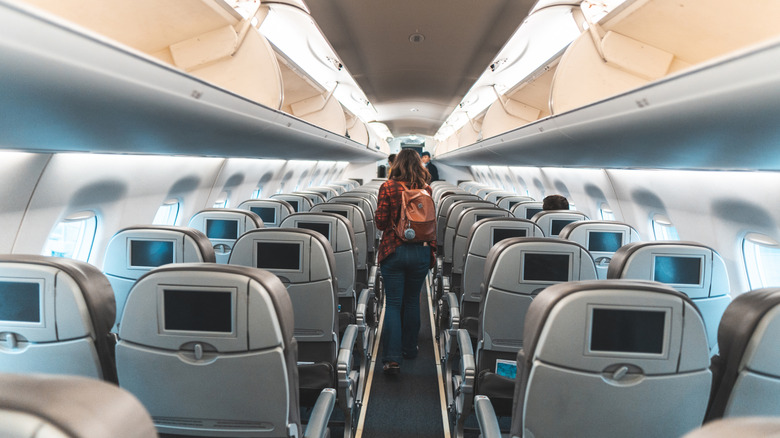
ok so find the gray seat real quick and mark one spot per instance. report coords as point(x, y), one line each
point(313, 197)
point(327, 192)
point(271, 211)
point(743, 427)
point(692, 268)
point(299, 203)
point(615, 358)
point(357, 219)
point(192, 331)
point(55, 317)
point(223, 226)
point(507, 202)
point(443, 208)
point(746, 372)
point(453, 215)
point(368, 212)
point(466, 221)
point(526, 209)
point(602, 238)
point(553, 221)
point(44, 406)
point(516, 270)
point(134, 251)
point(496, 194)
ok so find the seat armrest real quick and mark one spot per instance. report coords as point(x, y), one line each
point(467, 363)
point(348, 342)
point(360, 310)
point(486, 417)
point(452, 301)
point(372, 276)
point(320, 414)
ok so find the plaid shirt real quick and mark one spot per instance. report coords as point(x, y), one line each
point(388, 212)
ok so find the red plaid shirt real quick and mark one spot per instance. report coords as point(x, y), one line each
point(388, 212)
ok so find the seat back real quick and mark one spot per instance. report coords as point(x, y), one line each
point(222, 226)
point(299, 203)
point(483, 192)
point(526, 209)
point(368, 213)
point(327, 192)
point(271, 211)
point(496, 194)
point(74, 407)
point(357, 219)
point(553, 221)
point(453, 215)
point(314, 197)
point(55, 317)
point(466, 221)
point(619, 358)
point(443, 208)
point(694, 269)
point(602, 238)
point(747, 371)
point(508, 202)
point(370, 195)
point(134, 251)
point(191, 331)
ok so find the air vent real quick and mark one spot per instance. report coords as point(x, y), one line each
point(416, 38)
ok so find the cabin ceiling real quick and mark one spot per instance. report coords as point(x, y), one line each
point(461, 37)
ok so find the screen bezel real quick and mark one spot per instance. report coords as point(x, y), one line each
point(591, 232)
point(272, 208)
point(41, 306)
point(664, 354)
point(554, 222)
point(301, 259)
point(238, 229)
point(328, 224)
point(523, 255)
point(702, 267)
point(494, 229)
point(196, 288)
point(536, 211)
point(130, 241)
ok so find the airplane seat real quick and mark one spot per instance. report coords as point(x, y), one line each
point(602, 238)
point(192, 331)
point(304, 262)
point(56, 316)
point(743, 427)
point(494, 195)
point(313, 197)
point(223, 226)
point(443, 207)
point(483, 192)
point(327, 192)
point(74, 407)
point(298, 202)
point(368, 213)
point(357, 219)
point(746, 373)
point(593, 348)
point(526, 209)
point(507, 202)
point(136, 250)
point(692, 268)
point(271, 211)
point(553, 221)
point(516, 270)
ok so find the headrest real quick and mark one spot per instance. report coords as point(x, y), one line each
point(335, 227)
point(175, 306)
point(225, 224)
point(648, 327)
point(488, 232)
point(453, 214)
point(602, 237)
point(351, 212)
point(270, 211)
point(135, 250)
point(526, 209)
point(298, 202)
point(692, 268)
point(363, 203)
point(71, 406)
point(510, 201)
point(314, 197)
point(468, 217)
point(553, 221)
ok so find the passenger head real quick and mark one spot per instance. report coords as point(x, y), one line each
point(425, 157)
point(407, 167)
point(555, 202)
point(391, 158)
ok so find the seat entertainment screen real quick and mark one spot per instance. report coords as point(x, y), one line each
point(341, 213)
point(267, 214)
point(278, 255)
point(512, 204)
point(150, 253)
point(479, 217)
point(20, 301)
point(321, 228)
point(198, 311)
point(557, 225)
point(221, 229)
point(627, 331)
point(531, 212)
point(677, 270)
point(500, 234)
point(604, 241)
point(294, 205)
point(546, 267)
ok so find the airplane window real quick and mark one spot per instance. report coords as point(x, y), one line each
point(762, 257)
point(168, 213)
point(606, 213)
point(223, 200)
point(663, 228)
point(258, 193)
point(572, 206)
point(73, 237)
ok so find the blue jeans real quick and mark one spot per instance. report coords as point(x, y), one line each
point(403, 273)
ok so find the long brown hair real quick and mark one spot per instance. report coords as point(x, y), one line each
point(408, 167)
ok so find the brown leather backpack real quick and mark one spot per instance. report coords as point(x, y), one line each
point(417, 222)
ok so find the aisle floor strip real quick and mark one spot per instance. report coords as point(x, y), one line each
point(370, 377)
point(442, 396)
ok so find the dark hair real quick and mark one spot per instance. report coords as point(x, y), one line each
point(391, 158)
point(407, 167)
point(425, 154)
point(555, 202)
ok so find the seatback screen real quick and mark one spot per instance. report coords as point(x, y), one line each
point(150, 253)
point(479, 217)
point(221, 229)
point(198, 311)
point(341, 213)
point(677, 270)
point(627, 331)
point(294, 205)
point(512, 204)
point(500, 234)
point(546, 267)
point(604, 241)
point(20, 301)
point(267, 214)
point(556, 225)
point(321, 228)
point(278, 255)
point(531, 212)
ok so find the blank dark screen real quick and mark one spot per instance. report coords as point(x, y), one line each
point(275, 255)
point(294, 205)
point(150, 253)
point(221, 229)
point(342, 213)
point(531, 212)
point(267, 214)
point(546, 267)
point(627, 331)
point(198, 311)
point(512, 204)
point(500, 234)
point(604, 241)
point(321, 228)
point(20, 301)
point(677, 270)
point(479, 217)
point(557, 225)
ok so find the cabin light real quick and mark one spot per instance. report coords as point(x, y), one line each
point(415, 110)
